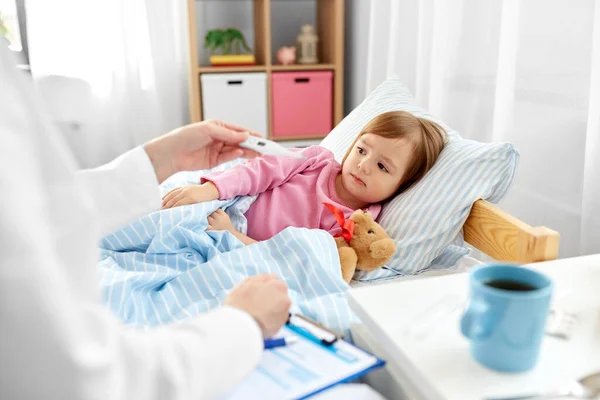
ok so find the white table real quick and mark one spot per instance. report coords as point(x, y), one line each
point(414, 326)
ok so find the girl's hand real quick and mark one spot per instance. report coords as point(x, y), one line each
point(220, 221)
point(191, 194)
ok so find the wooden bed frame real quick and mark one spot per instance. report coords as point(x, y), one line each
point(506, 238)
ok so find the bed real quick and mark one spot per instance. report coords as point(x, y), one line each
point(506, 238)
point(166, 267)
point(495, 235)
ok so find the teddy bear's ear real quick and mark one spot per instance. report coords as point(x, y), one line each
point(360, 217)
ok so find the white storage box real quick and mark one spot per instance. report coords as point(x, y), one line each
point(239, 98)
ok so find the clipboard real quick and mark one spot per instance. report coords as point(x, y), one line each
point(319, 360)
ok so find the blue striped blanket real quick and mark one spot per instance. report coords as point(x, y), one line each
point(166, 267)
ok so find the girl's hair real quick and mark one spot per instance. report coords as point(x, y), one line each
point(427, 137)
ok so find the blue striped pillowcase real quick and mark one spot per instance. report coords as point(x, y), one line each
point(426, 221)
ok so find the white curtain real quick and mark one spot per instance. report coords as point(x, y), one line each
point(113, 72)
point(526, 72)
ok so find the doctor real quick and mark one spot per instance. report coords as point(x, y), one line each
point(56, 340)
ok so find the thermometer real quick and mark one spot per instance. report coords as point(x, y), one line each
point(266, 146)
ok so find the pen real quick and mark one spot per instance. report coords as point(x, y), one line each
point(279, 342)
point(318, 335)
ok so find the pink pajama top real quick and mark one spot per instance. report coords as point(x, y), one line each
point(291, 192)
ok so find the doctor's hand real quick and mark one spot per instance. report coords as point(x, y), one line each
point(201, 145)
point(265, 298)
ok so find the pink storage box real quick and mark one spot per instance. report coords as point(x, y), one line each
point(302, 103)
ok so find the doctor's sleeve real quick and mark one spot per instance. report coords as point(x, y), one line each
point(122, 190)
point(56, 340)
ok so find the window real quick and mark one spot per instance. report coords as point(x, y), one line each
point(13, 27)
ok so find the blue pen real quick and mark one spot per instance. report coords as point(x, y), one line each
point(316, 334)
point(279, 342)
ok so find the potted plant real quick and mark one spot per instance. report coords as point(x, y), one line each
point(3, 28)
point(229, 42)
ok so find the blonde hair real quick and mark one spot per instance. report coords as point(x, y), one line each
point(427, 137)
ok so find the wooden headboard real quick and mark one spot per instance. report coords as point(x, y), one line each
point(506, 238)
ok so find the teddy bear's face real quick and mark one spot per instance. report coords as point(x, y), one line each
point(365, 225)
point(372, 244)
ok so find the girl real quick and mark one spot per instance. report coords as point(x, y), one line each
point(392, 153)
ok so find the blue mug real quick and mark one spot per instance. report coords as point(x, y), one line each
point(506, 316)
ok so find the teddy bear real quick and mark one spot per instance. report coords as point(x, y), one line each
point(363, 244)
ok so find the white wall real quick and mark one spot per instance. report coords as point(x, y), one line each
point(286, 19)
point(355, 52)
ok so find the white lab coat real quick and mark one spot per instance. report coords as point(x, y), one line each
point(56, 340)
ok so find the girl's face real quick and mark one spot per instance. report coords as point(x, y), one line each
point(374, 169)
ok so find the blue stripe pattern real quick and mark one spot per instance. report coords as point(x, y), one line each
point(426, 221)
point(166, 267)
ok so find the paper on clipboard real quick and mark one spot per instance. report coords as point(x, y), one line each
point(303, 369)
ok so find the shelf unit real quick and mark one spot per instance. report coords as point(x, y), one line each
point(329, 20)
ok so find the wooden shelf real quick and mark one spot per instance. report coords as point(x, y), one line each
point(244, 68)
point(302, 137)
point(302, 67)
point(207, 69)
point(329, 21)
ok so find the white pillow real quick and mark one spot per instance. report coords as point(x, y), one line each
point(426, 221)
